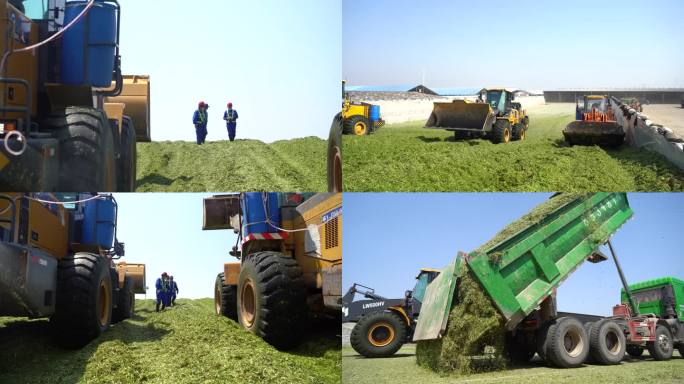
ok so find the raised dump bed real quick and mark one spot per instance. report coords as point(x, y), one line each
point(523, 270)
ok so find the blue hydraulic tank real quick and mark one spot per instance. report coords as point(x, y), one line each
point(99, 222)
point(89, 46)
point(254, 214)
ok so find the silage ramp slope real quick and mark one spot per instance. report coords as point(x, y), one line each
point(407, 157)
point(184, 344)
point(242, 165)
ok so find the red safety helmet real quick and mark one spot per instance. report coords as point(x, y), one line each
point(201, 104)
point(165, 274)
point(230, 105)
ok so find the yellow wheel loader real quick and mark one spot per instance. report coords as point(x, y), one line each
point(57, 260)
point(494, 116)
point(69, 119)
point(359, 118)
point(289, 252)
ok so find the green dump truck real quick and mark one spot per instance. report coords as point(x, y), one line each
point(521, 273)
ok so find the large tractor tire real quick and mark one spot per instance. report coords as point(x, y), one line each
point(567, 343)
point(501, 132)
point(378, 334)
point(126, 162)
point(357, 125)
point(125, 306)
point(87, 150)
point(225, 298)
point(607, 342)
point(662, 347)
point(84, 299)
point(272, 298)
point(335, 155)
point(635, 351)
point(519, 132)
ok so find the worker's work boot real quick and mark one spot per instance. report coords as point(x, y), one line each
point(157, 307)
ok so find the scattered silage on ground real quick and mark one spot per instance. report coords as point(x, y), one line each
point(475, 335)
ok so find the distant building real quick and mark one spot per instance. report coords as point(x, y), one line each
point(652, 95)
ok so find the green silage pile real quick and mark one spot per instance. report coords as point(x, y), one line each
point(475, 335)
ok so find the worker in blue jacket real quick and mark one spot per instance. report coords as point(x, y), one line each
point(163, 291)
point(174, 291)
point(199, 118)
point(231, 116)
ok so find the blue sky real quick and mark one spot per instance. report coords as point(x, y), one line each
point(525, 43)
point(278, 62)
point(164, 231)
point(388, 237)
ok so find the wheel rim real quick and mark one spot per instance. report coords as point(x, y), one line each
point(664, 342)
point(103, 303)
point(217, 300)
point(613, 343)
point(360, 128)
point(522, 134)
point(248, 303)
point(381, 334)
point(573, 343)
point(507, 135)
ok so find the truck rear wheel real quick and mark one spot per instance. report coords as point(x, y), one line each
point(126, 163)
point(126, 302)
point(335, 155)
point(83, 307)
point(661, 348)
point(501, 132)
point(225, 298)
point(567, 344)
point(607, 342)
point(635, 350)
point(272, 298)
point(87, 153)
point(357, 125)
point(378, 334)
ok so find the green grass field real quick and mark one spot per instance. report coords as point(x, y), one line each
point(184, 344)
point(402, 368)
point(243, 165)
point(407, 157)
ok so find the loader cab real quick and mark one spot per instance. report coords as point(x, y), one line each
point(500, 100)
point(598, 103)
point(425, 277)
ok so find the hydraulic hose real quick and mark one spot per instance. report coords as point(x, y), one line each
point(49, 39)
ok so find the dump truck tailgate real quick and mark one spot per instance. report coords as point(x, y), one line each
point(434, 311)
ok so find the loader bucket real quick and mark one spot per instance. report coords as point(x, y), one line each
point(460, 114)
point(135, 95)
point(607, 134)
point(437, 301)
point(136, 272)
